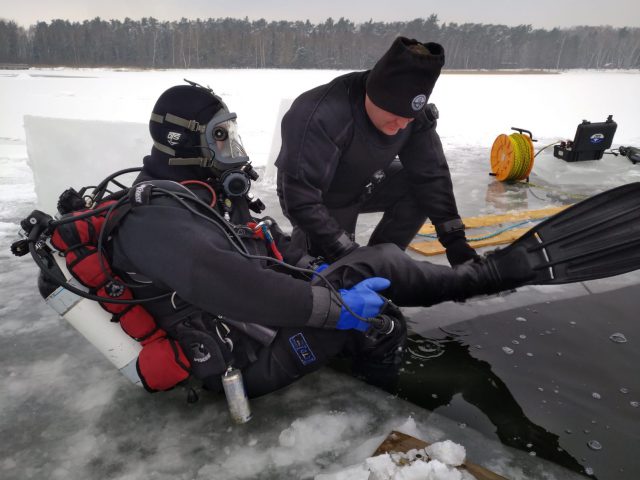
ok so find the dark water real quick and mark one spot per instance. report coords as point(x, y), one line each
point(559, 380)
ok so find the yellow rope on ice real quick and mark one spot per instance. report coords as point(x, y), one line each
point(512, 157)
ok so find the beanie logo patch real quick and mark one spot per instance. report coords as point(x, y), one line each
point(418, 102)
point(173, 138)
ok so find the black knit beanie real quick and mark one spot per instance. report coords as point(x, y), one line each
point(402, 80)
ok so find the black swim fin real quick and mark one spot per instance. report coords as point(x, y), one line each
point(596, 238)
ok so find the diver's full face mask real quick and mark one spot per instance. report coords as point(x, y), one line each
point(217, 142)
point(223, 143)
point(228, 157)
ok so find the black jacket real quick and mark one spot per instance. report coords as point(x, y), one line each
point(183, 253)
point(330, 150)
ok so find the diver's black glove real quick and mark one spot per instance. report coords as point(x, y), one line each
point(461, 252)
point(458, 249)
point(451, 236)
point(340, 247)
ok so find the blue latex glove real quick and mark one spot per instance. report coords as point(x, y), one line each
point(364, 301)
point(321, 267)
point(318, 269)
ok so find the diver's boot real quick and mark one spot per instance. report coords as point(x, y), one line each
point(498, 271)
point(596, 238)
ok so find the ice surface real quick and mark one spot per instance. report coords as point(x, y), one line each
point(70, 415)
point(474, 109)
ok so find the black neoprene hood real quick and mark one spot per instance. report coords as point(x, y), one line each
point(190, 103)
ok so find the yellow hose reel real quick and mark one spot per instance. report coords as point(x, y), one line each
point(512, 156)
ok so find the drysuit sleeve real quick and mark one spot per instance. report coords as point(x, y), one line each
point(306, 164)
point(194, 258)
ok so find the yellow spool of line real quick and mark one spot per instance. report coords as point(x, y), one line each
point(512, 157)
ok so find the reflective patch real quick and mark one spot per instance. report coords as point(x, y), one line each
point(418, 102)
point(301, 347)
point(173, 138)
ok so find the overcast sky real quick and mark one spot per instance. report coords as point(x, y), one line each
point(539, 13)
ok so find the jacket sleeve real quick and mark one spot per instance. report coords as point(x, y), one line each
point(306, 164)
point(424, 160)
point(191, 257)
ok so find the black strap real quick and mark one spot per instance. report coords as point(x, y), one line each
point(168, 322)
point(450, 226)
point(114, 220)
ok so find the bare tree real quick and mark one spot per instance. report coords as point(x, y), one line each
point(240, 43)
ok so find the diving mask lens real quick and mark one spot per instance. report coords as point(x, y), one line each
point(224, 141)
point(228, 141)
point(220, 134)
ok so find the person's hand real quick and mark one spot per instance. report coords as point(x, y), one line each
point(318, 269)
point(459, 252)
point(364, 301)
point(452, 237)
point(321, 267)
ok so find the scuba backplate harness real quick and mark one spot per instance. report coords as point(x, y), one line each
point(78, 282)
point(100, 303)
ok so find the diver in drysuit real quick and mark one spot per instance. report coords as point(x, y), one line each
point(224, 269)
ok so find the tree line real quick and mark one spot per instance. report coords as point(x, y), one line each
point(341, 44)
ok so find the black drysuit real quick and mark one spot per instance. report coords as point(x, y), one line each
point(330, 164)
point(183, 253)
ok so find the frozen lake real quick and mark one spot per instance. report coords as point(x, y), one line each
point(69, 414)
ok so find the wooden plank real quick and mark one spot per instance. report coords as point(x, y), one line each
point(401, 442)
point(490, 220)
point(434, 247)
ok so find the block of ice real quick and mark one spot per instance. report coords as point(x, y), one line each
point(67, 153)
